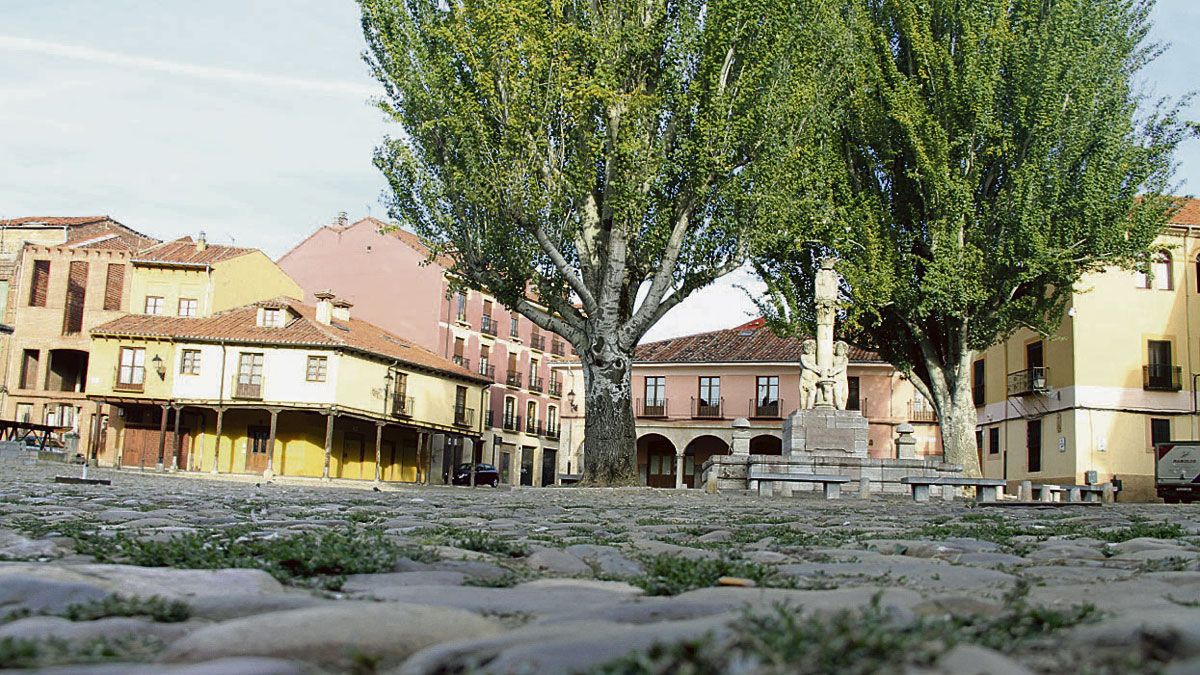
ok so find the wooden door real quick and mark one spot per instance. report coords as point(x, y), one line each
point(256, 448)
point(660, 467)
point(354, 448)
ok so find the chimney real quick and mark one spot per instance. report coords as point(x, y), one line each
point(343, 219)
point(324, 306)
point(341, 309)
point(201, 242)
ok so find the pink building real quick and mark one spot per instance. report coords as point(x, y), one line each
point(689, 390)
point(382, 270)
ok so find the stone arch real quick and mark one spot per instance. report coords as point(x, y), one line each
point(656, 460)
point(697, 452)
point(766, 444)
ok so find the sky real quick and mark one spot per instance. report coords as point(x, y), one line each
point(251, 120)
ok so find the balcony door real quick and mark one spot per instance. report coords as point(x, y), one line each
point(1158, 371)
point(249, 376)
point(1033, 355)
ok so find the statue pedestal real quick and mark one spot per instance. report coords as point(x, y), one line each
point(825, 431)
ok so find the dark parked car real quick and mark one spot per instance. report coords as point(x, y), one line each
point(485, 474)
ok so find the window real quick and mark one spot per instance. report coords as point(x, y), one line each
point(318, 369)
point(510, 412)
point(710, 390)
point(994, 441)
point(460, 346)
point(531, 413)
point(977, 382)
point(1160, 431)
point(189, 362)
point(513, 323)
point(533, 369)
point(154, 304)
point(1033, 445)
point(768, 390)
point(485, 359)
point(1160, 370)
point(272, 317)
point(1034, 355)
point(29, 368)
point(552, 420)
point(1162, 271)
point(979, 439)
point(656, 390)
point(114, 286)
point(461, 307)
point(39, 285)
point(76, 295)
point(249, 375)
point(24, 412)
point(853, 394)
point(257, 438)
point(462, 416)
point(132, 369)
point(187, 307)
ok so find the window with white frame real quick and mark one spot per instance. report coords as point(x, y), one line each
point(189, 362)
point(132, 369)
point(318, 369)
point(187, 307)
point(154, 304)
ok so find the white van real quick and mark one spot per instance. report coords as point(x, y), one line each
point(1177, 476)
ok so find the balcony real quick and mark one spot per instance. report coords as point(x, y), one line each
point(556, 388)
point(127, 386)
point(487, 326)
point(1029, 381)
point(766, 409)
point(533, 427)
point(464, 416)
point(538, 342)
point(552, 431)
point(557, 348)
point(247, 391)
point(1162, 377)
point(489, 419)
point(655, 407)
point(462, 361)
point(402, 406)
point(513, 379)
point(704, 410)
point(921, 413)
point(487, 370)
point(536, 384)
point(512, 422)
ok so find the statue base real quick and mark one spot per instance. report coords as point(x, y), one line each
point(825, 431)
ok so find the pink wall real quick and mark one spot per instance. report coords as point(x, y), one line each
point(380, 274)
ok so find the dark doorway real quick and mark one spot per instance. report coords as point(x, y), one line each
point(766, 444)
point(526, 465)
point(549, 466)
point(1033, 444)
point(656, 461)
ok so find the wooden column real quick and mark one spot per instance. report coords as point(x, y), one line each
point(217, 440)
point(379, 451)
point(328, 444)
point(271, 442)
point(162, 437)
point(177, 446)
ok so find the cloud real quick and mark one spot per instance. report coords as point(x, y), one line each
point(29, 46)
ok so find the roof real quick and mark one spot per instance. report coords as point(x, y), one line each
point(1188, 213)
point(52, 221)
point(100, 232)
point(751, 342)
point(183, 251)
point(240, 325)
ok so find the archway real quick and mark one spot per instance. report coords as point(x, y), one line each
point(698, 451)
point(766, 444)
point(656, 461)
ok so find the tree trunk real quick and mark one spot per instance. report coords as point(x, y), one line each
point(610, 439)
point(956, 413)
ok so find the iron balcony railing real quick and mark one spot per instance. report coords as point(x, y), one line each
point(538, 342)
point(706, 410)
point(556, 347)
point(462, 361)
point(1029, 381)
point(487, 370)
point(512, 422)
point(555, 388)
point(921, 413)
point(487, 325)
point(248, 391)
point(654, 407)
point(402, 406)
point(1162, 377)
point(766, 409)
point(552, 430)
point(512, 379)
point(533, 426)
point(489, 419)
point(536, 384)
point(464, 416)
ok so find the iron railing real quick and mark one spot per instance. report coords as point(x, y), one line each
point(487, 325)
point(1162, 377)
point(655, 407)
point(536, 384)
point(1029, 381)
point(533, 426)
point(556, 388)
point(538, 341)
point(556, 347)
point(487, 370)
point(402, 406)
point(552, 431)
point(462, 361)
point(464, 416)
point(766, 409)
point(512, 379)
point(706, 410)
point(512, 422)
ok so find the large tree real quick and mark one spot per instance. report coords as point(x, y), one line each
point(987, 155)
point(591, 162)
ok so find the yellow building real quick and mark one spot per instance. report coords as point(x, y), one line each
point(279, 387)
point(1118, 376)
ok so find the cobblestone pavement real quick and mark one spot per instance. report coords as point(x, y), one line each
point(179, 574)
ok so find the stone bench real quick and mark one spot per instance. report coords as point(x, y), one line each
point(1071, 494)
point(986, 489)
point(831, 484)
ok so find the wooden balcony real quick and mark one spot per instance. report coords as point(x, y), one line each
point(249, 391)
point(922, 413)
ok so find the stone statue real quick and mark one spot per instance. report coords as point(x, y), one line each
point(809, 374)
point(823, 379)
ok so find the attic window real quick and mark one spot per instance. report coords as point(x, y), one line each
point(271, 318)
point(747, 332)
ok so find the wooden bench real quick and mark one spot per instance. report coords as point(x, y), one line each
point(831, 484)
point(986, 489)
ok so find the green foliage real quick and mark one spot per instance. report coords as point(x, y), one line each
point(486, 542)
point(155, 607)
point(668, 574)
point(986, 155)
point(28, 653)
point(1001, 530)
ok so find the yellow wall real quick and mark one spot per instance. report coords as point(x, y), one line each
point(104, 359)
point(250, 278)
point(361, 385)
point(170, 284)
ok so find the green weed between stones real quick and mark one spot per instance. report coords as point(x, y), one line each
point(668, 574)
point(998, 529)
point(154, 607)
point(854, 642)
point(486, 542)
point(27, 653)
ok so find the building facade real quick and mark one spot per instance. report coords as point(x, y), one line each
point(384, 272)
point(279, 387)
point(59, 278)
point(688, 391)
point(1118, 376)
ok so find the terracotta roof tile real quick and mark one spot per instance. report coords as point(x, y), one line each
point(53, 221)
point(240, 325)
point(183, 252)
point(1189, 213)
point(99, 232)
point(749, 343)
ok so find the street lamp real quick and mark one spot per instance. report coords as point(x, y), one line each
point(571, 401)
point(159, 367)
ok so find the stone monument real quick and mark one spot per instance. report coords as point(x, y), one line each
point(822, 425)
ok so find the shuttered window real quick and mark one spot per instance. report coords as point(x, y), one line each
point(114, 286)
point(39, 287)
point(76, 295)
